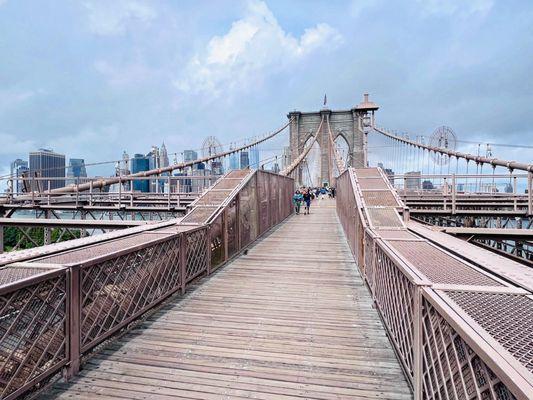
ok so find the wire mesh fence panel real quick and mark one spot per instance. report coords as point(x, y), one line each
point(263, 196)
point(197, 248)
point(248, 213)
point(451, 369)
point(217, 241)
point(115, 291)
point(507, 317)
point(232, 227)
point(33, 332)
point(395, 296)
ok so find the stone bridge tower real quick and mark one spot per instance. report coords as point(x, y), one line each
point(349, 124)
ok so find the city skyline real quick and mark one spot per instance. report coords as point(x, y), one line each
point(128, 88)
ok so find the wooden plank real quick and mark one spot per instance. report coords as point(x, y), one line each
point(290, 320)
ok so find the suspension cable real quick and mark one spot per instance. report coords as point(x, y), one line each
point(290, 168)
point(482, 160)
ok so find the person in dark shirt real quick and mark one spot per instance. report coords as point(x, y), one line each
point(307, 201)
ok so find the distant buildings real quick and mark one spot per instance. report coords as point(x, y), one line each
point(286, 160)
point(163, 156)
point(245, 160)
point(47, 164)
point(18, 169)
point(412, 180)
point(140, 163)
point(508, 188)
point(189, 155)
point(254, 157)
point(76, 169)
point(234, 161)
point(389, 172)
point(427, 185)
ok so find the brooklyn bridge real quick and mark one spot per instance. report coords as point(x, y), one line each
point(391, 289)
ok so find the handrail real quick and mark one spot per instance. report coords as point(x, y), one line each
point(435, 317)
point(59, 305)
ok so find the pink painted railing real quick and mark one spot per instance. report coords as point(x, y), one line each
point(460, 332)
point(57, 307)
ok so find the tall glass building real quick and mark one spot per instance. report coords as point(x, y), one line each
point(76, 169)
point(234, 161)
point(245, 160)
point(47, 164)
point(254, 157)
point(140, 163)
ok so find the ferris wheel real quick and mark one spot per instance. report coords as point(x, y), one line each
point(211, 146)
point(444, 138)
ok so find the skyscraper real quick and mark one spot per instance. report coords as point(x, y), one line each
point(18, 167)
point(245, 160)
point(254, 157)
point(233, 161)
point(76, 169)
point(163, 156)
point(125, 170)
point(286, 160)
point(189, 155)
point(47, 164)
point(413, 180)
point(140, 163)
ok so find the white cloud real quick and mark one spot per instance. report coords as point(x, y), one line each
point(17, 145)
point(255, 46)
point(110, 18)
point(10, 98)
point(123, 74)
point(456, 7)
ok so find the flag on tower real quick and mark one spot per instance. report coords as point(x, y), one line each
point(325, 99)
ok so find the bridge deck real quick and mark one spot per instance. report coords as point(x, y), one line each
point(292, 319)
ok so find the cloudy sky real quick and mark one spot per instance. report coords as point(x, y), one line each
point(92, 78)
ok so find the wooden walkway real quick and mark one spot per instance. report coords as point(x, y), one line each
point(290, 320)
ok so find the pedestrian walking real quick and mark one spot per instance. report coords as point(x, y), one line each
point(297, 200)
point(307, 201)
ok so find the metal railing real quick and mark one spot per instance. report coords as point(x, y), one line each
point(55, 308)
point(458, 331)
point(463, 191)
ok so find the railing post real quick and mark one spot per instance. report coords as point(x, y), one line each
point(119, 191)
point(1, 239)
point(48, 192)
point(445, 188)
point(91, 192)
point(77, 191)
point(406, 214)
point(47, 237)
point(183, 262)
point(74, 328)
point(417, 343)
point(237, 220)
point(529, 193)
point(208, 233)
point(454, 194)
point(168, 194)
point(515, 202)
point(225, 232)
point(32, 191)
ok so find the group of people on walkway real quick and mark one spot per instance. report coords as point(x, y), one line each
point(306, 195)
